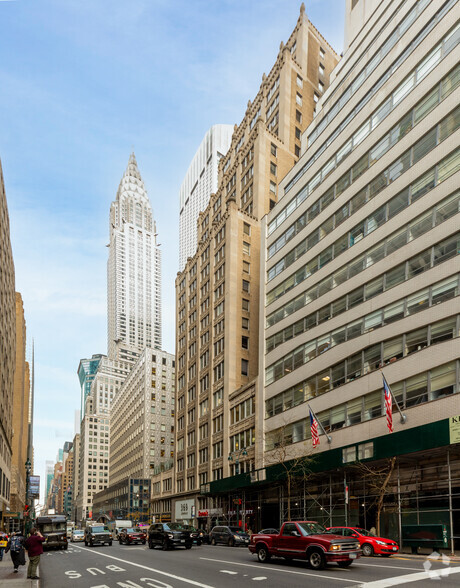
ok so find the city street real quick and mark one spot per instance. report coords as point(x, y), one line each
point(214, 566)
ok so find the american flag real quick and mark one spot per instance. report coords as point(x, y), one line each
point(388, 404)
point(314, 429)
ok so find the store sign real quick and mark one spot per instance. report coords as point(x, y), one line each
point(183, 509)
point(454, 429)
point(211, 512)
point(34, 487)
point(248, 511)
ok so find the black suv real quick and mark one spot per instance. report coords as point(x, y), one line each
point(169, 535)
point(231, 536)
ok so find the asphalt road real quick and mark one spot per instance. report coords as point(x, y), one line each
point(136, 566)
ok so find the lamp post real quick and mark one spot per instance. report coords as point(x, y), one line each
point(28, 466)
point(235, 456)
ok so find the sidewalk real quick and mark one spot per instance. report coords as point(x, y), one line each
point(428, 554)
point(9, 579)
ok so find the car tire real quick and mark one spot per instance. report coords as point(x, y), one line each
point(231, 542)
point(164, 545)
point(316, 559)
point(119, 541)
point(213, 541)
point(86, 543)
point(110, 542)
point(386, 554)
point(198, 543)
point(262, 554)
point(188, 546)
point(367, 549)
point(91, 544)
point(66, 546)
point(345, 564)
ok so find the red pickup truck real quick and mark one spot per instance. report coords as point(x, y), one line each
point(306, 540)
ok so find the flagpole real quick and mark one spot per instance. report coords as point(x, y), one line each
point(329, 439)
point(401, 414)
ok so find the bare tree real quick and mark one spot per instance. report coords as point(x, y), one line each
point(295, 470)
point(377, 480)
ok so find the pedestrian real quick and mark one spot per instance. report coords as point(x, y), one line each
point(34, 550)
point(16, 548)
point(3, 543)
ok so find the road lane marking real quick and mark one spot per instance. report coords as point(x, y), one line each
point(180, 578)
point(369, 565)
point(228, 572)
point(405, 579)
point(282, 570)
point(258, 578)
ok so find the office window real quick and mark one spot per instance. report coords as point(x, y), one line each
point(273, 149)
point(244, 367)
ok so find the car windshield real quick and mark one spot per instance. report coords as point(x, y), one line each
point(190, 528)
point(100, 529)
point(53, 527)
point(364, 532)
point(78, 532)
point(177, 527)
point(237, 531)
point(131, 530)
point(312, 528)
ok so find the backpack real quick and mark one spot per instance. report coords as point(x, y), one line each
point(16, 544)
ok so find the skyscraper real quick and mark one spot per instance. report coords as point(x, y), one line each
point(199, 183)
point(133, 271)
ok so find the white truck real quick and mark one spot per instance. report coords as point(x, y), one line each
point(116, 526)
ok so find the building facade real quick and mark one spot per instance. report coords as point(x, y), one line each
point(87, 369)
point(361, 276)
point(199, 183)
point(21, 400)
point(7, 350)
point(217, 294)
point(75, 477)
point(133, 271)
point(142, 418)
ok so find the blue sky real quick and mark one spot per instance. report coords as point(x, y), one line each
point(82, 83)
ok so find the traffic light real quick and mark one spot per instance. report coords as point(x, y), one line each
point(26, 510)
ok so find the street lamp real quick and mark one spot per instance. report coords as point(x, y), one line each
point(235, 455)
point(27, 509)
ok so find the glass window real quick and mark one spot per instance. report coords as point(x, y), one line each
point(373, 288)
point(365, 450)
point(447, 208)
point(419, 264)
point(392, 350)
point(372, 321)
point(444, 290)
point(449, 125)
point(424, 146)
point(426, 105)
point(360, 167)
point(416, 390)
point(422, 185)
point(416, 340)
point(354, 367)
point(338, 374)
point(443, 330)
point(449, 166)
point(398, 203)
point(337, 417)
point(372, 357)
point(354, 410)
point(393, 312)
point(395, 276)
point(342, 184)
point(442, 381)
point(372, 405)
point(421, 225)
point(358, 200)
point(349, 454)
point(418, 302)
point(447, 249)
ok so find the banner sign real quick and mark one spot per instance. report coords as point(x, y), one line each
point(34, 487)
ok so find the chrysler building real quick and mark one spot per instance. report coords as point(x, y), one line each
point(133, 271)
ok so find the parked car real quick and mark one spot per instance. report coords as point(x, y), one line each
point(231, 536)
point(370, 544)
point(196, 534)
point(306, 540)
point(77, 535)
point(169, 535)
point(97, 533)
point(130, 536)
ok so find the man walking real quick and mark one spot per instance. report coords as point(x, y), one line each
point(16, 548)
point(34, 549)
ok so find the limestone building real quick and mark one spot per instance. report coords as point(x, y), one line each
point(217, 294)
point(21, 400)
point(7, 349)
point(199, 183)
